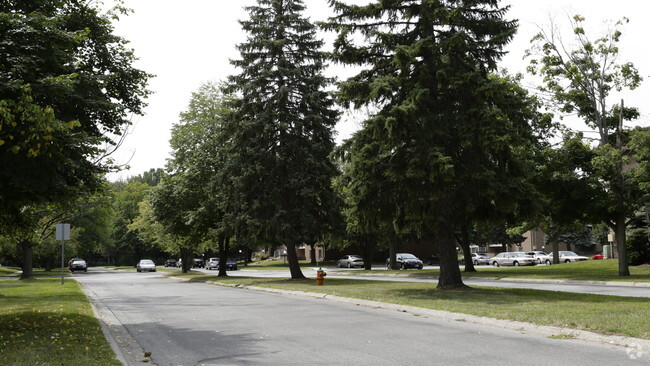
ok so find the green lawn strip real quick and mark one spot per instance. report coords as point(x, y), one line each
point(601, 314)
point(45, 323)
point(602, 270)
point(4, 271)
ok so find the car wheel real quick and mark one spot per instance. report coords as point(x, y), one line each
point(495, 264)
point(349, 265)
point(567, 261)
point(86, 270)
point(539, 261)
point(138, 270)
point(476, 263)
point(72, 270)
point(516, 264)
point(402, 266)
point(548, 262)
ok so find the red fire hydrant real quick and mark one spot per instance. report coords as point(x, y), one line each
point(320, 276)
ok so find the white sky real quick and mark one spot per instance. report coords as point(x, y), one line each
point(190, 42)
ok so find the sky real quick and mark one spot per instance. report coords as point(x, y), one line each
point(185, 44)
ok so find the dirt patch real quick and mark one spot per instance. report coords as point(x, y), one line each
point(646, 265)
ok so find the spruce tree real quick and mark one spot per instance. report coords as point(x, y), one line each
point(280, 134)
point(452, 133)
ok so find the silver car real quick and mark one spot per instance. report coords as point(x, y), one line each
point(350, 261)
point(566, 257)
point(146, 265)
point(212, 263)
point(513, 259)
point(540, 257)
point(480, 258)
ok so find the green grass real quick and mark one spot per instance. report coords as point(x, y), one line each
point(8, 270)
point(45, 323)
point(597, 313)
point(602, 270)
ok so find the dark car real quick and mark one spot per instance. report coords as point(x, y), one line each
point(198, 263)
point(406, 261)
point(77, 264)
point(171, 263)
point(230, 265)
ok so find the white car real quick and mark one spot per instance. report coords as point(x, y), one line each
point(540, 257)
point(146, 265)
point(212, 263)
point(566, 257)
point(513, 259)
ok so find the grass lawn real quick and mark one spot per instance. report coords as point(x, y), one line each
point(600, 270)
point(602, 314)
point(45, 323)
point(8, 270)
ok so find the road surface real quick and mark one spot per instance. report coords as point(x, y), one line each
point(186, 323)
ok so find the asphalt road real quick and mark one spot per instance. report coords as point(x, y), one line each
point(185, 323)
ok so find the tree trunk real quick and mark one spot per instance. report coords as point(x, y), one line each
point(620, 237)
point(392, 248)
point(450, 277)
point(312, 254)
point(292, 257)
point(467, 253)
point(186, 258)
point(224, 243)
point(27, 247)
point(368, 251)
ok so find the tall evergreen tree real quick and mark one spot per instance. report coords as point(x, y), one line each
point(281, 130)
point(451, 133)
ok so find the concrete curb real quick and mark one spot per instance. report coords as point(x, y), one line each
point(127, 350)
point(629, 343)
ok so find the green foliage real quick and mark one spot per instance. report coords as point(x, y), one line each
point(67, 88)
point(638, 247)
point(280, 133)
point(449, 140)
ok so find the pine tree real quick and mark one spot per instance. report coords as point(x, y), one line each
point(451, 132)
point(281, 131)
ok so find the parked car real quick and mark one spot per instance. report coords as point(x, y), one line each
point(540, 257)
point(198, 263)
point(480, 258)
point(146, 265)
point(212, 263)
point(350, 261)
point(566, 257)
point(77, 264)
point(598, 256)
point(513, 259)
point(171, 263)
point(406, 261)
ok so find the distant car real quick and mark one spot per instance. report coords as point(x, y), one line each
point(540, 257)
point(171, 263)
point(480, 258)
point(212, 263)
point(77, 264)
point(566, 257)
point(598, 256)
point(146, 265)
point(198, 263)
point(406, 261)
point(350, 261)
point(513, 259)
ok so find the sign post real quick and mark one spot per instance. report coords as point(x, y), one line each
point(63, 234)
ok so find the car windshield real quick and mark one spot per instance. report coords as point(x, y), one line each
point(145, 261)
point(79, 261)
point(566, 254)
point(355, 257)
point(517, 254)
point(408, 256)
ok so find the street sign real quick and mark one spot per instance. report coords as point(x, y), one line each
point(62, 231)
